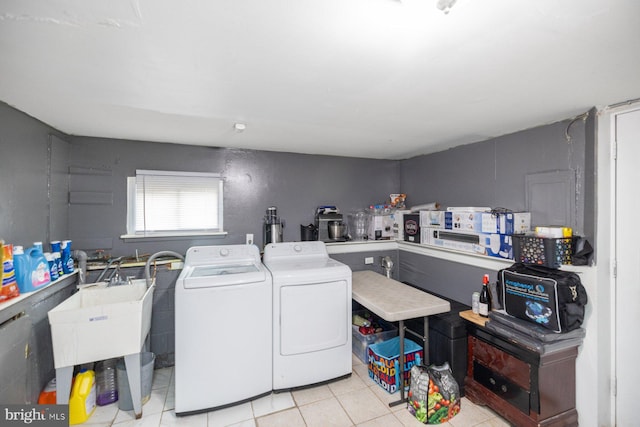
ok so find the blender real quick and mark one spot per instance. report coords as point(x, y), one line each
point(359, 225)
point(272, 232)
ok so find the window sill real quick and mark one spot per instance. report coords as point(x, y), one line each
point(171, 236)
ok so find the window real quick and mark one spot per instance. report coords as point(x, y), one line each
point(165, 203)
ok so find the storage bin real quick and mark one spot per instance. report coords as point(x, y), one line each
point(384, 366)
point(549, 252)
point(125, 402)
point(361, 342)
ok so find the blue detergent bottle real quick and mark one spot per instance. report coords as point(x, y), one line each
point(56, 251)
point(38, 267)
point(67, 260)
point(53, 267)
point(22, 271)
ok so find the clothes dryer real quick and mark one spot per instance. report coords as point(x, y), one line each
point(223, 324)
point(311, 314)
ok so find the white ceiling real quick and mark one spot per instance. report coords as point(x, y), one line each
point(364, 78)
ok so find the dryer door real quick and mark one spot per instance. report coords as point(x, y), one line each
point(314, 317)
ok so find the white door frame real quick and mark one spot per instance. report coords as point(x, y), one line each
point(606, 240)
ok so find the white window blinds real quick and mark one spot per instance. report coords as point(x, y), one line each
point(168, 202)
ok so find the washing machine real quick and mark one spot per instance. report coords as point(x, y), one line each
point(311, 314)
point(223, 328)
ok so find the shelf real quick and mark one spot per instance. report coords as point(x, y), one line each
point(361, 246)
point(15, 305)
point(481, 261)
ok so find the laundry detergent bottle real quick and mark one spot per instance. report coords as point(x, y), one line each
point(39, 272)
point(82, 402)
point(22, 269)
point(53, 267)
point(67, 260)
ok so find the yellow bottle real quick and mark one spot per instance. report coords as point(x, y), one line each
point(82, 402)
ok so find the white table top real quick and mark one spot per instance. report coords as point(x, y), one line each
point(393, 300)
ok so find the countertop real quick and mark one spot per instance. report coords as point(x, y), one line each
point(393, 300)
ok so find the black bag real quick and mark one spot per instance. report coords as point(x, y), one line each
point(549, 297)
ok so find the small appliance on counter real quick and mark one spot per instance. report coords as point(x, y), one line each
point(273, 226)
point(308, 232)
point(380, 227)
point(330, 225)
point(359, 225)
point(337, 231)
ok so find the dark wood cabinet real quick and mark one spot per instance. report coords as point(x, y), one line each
point(523, 386)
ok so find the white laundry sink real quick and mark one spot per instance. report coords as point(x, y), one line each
point(100, 322)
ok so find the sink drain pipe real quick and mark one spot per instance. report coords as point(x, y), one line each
point(81, 257)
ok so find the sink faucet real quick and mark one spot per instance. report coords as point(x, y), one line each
point(114, 280)
point(387, 264)
point(115, 272)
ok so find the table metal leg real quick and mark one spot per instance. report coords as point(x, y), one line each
point(425, 353)
point(401, 366)
point(425, 341)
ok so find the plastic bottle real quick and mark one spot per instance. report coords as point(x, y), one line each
point(67, 260)
point(82, 402)
point(484, 304)
point(55, 246)
point(8, 285)
point(360, 321)
point(53, 267)
point(57, 256)
point(106, 385)
point(21, 267)
point(48, 395)
point(475, 302)
point(38, 267)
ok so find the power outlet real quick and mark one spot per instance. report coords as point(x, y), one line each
point(249, 239)
point(368, 260)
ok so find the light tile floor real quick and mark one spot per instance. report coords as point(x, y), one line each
point(356, 401)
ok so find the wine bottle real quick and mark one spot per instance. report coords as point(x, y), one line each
point(484, 305)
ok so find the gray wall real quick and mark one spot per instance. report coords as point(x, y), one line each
point(32, 171)
point(446, 278)
point(355, 261)
point(254, 180)
point(494, 172)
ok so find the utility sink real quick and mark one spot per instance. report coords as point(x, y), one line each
point(100, 322)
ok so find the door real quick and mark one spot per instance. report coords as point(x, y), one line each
point(314, 317)
point(628, 265)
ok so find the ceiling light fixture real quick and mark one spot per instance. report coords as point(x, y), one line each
point(445, 5)
point(239, 127)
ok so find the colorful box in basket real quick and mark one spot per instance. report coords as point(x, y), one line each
point(384, 366)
